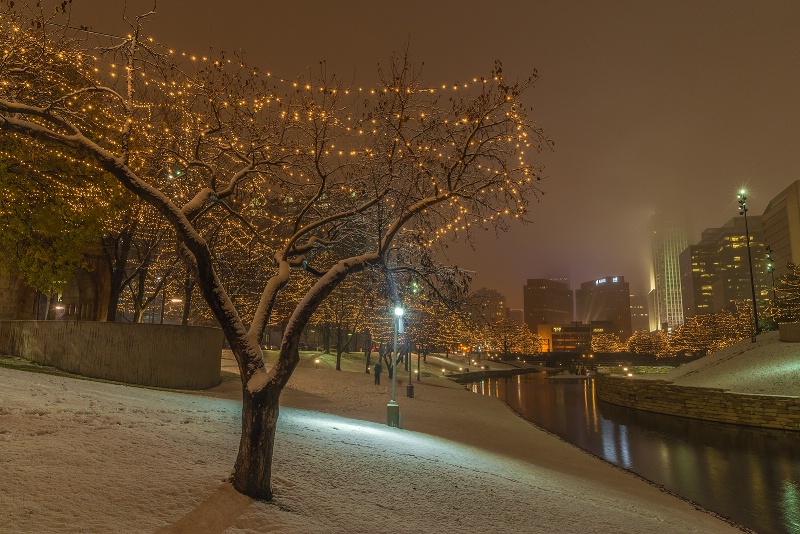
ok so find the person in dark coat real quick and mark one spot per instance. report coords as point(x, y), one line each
point(378, 368)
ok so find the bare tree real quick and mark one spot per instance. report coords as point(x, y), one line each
point(391, 174)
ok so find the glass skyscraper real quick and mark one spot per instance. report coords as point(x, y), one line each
point(669, 238)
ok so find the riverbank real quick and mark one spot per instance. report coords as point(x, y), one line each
point(767, 367)
point(750, 383)
point(82, 456)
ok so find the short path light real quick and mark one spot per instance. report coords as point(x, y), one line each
point(392, 409)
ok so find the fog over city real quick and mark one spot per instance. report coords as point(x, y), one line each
point(672, 103)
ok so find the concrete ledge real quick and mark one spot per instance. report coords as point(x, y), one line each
point(789, 332)
point(169, 356)
point(477, 376)
point(708, 404)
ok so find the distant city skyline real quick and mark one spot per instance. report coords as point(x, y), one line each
point(676, 102)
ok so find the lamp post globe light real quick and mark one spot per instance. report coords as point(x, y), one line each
point(743, 211)
point(410, 385)
point(392, 409)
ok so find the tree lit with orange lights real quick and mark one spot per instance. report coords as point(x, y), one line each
point(785, 307)
point(508, 337)
point(607, 343)
point(305, 175)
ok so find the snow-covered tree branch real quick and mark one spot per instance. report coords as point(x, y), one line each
point(321, 178)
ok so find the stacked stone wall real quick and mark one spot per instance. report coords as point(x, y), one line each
point(709, 404)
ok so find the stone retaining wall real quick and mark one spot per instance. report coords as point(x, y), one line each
point(700, 403)
point(169, 356)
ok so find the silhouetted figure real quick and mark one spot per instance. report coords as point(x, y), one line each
point(378, 369)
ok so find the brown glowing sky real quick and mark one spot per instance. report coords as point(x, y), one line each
point(646, 101)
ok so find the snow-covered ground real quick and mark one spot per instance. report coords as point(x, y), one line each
point(766, 367)
point(90, 457)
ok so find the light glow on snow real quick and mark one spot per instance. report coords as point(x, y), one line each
point(83, 456)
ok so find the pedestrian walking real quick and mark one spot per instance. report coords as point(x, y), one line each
point(378, 368)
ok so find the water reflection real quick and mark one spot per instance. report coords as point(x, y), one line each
point(748, 474)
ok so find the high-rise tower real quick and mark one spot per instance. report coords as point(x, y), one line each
point(547, 302)
point(669, 239)
point(781, 221)
point(606, 299)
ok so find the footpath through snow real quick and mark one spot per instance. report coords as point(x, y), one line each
point(90, 457)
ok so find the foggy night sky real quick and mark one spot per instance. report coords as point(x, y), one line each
point(646, 102)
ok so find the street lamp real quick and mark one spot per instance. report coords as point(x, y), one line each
point(163, 304)
point(743, 211)
point(410, 386)
point(392, 409)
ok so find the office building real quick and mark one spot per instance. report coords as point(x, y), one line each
point(572, 337)
point(516, 315)
point(781, 227)
point(699, 265)
point(716, 273)
point(606, 299)
point(640, 318)
point(669, 239)
point(487, 306)
point(547, 302)
point(733, 280)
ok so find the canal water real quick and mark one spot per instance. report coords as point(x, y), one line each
point(749, 475)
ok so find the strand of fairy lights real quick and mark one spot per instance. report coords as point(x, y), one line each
point(295, 83)
point(296, 117)
point(88, 191)
point(310, 115)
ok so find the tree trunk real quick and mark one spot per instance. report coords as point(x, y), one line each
point(139, 303)
point(113, 297)
point(188, 290)
point(326, 338)
point(349, 339)
point(252, 473)
point(338, 347)
point(47, 305)
point(367, 350)
point(116, 252)
point(388, 359)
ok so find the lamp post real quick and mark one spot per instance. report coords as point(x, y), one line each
point(743, 211)
point(410, 386)
point(392, 409)
point(163, 303)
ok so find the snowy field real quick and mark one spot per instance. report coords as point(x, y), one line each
point(90, 457)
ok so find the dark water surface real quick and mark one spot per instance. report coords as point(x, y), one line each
point(749, 475)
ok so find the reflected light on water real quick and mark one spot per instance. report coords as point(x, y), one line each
point(609, 442)
point(790, 505)
point(591, 405)
point(747, 474)
point(666, 461)
point(624, 447)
